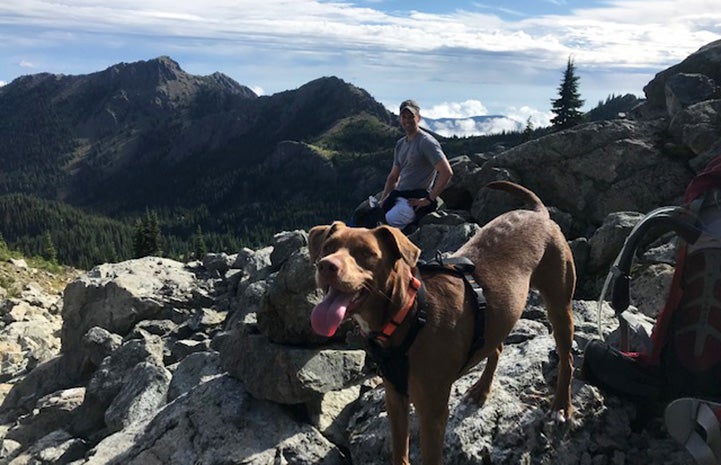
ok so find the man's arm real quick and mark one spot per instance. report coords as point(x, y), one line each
point(391, 182)
point(445, 172)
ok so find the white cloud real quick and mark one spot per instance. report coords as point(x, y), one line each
point(25, 64)
point(257, 89)
point(538, 118)
point(3, 83)
point(455, 109)
point(464, 127)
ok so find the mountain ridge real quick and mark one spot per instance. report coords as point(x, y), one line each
point(201, 151)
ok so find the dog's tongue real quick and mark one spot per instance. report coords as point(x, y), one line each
point(328, 315)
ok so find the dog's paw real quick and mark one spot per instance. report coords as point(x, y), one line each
point(478, 395)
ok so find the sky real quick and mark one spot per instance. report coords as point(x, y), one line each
point(457, 59)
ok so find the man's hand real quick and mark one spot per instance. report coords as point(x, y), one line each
point(418, 203)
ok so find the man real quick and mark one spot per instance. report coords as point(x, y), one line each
point(419, 174)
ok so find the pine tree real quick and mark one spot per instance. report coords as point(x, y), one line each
point(528, 131)
point(198, 243)
point(147, 240)
point(567, 106)
point(49, 252)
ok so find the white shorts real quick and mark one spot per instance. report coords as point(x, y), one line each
point(401, 214)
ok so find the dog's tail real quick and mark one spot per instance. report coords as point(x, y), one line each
point(521, 192)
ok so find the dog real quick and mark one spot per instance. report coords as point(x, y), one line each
point(368, 275)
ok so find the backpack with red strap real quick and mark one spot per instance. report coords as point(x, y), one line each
point(684, 354)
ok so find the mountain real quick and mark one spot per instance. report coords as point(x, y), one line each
point(93, 153)
point(77, 138)
point(200, 150)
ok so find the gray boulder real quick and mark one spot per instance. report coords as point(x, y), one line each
point(117, 296)
point(684, 90)
point(706, 61)
point(285, 313)
point(568, 169)
point(254, 432)
point(307, 373)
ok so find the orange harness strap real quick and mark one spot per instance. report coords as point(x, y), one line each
point(399, 317)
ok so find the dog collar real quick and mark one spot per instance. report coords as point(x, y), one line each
point(384, 334)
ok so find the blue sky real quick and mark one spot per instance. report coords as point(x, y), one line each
point(456, 58)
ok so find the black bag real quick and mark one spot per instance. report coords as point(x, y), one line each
point(368, 216)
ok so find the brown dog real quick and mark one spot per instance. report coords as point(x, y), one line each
point(368, 275)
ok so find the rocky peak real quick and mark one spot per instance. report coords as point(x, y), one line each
point(340, 98)
point(705, 61)
point(155, 71)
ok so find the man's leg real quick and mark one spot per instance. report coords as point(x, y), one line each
point(401, 214)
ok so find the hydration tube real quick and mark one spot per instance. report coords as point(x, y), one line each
point(678, 219)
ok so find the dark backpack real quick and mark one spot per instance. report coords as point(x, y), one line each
point(684, 357)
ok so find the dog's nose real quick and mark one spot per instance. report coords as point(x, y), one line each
point(328, 266)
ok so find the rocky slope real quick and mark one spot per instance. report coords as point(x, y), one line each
point(214, 362)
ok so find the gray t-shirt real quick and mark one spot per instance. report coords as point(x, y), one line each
point(416, 159)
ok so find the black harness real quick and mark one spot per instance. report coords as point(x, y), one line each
point(392, 362)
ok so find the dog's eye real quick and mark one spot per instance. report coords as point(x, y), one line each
point(366, 253)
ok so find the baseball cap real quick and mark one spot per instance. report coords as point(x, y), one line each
point(410, 105)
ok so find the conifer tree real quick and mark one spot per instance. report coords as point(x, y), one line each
point(528, 131)
point(198, 243)
point(147, 240)
point(567, 107)
point(49, 252)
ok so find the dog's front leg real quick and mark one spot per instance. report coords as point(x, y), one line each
point(398, 408)
point(432, 408)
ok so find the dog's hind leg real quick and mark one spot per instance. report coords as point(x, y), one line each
point(398, 407)
point(555, 278)
point(482, 388)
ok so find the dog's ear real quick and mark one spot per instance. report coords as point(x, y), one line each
point(406, 249)
point(318, 235)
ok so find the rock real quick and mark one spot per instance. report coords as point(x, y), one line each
point(285, 313)
point(284, 244)
point(61, 372)
point(331, 412)
point(435, 238)
point(608, 240)
point(254, 432)
point(684, 90)
point(217, 263)
point(117, 296)
point(569, 168)
point(255, 267)
point(139, 398)
point(650, 287)
point(51, 413)
point(697, 126)
point(57, 448)
point(193, 370)
point(705, 61)
point(113, 382)
point(99, 343)
point(306, 373)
